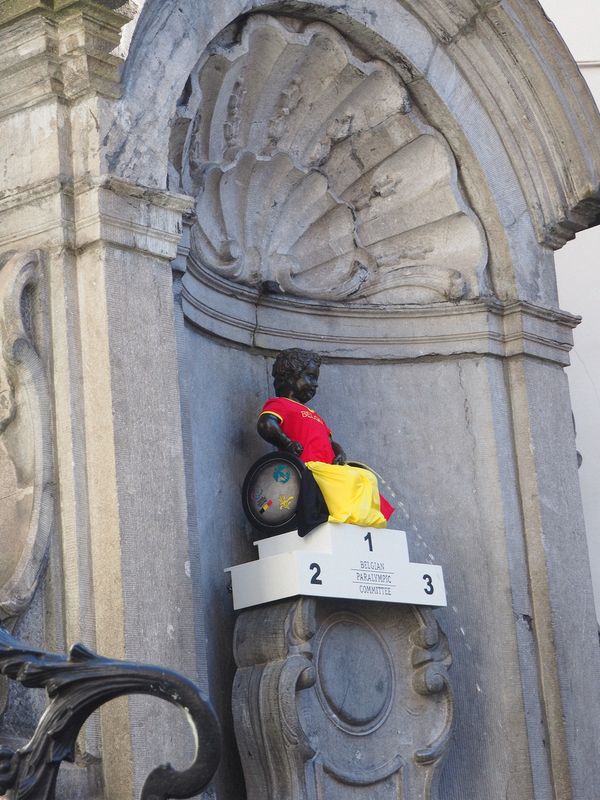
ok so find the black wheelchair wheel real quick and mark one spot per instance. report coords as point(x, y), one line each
point(270, 493)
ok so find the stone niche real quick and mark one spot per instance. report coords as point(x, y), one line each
point(322, 202)
point(330, 212)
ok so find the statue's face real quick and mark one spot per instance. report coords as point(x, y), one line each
point(306, 384)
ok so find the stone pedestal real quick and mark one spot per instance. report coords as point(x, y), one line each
point(337, 699)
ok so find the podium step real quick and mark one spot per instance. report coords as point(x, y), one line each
point(337, 561)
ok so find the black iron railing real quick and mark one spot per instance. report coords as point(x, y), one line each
point(76, 687)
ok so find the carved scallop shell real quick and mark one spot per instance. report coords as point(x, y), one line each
point(265, 222)
point(315, 177)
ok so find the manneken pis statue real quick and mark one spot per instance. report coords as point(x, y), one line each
point(351, 493)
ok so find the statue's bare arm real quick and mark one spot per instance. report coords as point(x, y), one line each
point(269, 428)
point(340, 455)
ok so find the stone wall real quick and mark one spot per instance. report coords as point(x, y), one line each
point(405, 231)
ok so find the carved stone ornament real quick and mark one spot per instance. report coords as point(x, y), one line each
point(315, 177)
point(335, 699)
point(26, 488)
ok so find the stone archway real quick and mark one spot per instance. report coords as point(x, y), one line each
point(456, 384)
point(485, 82)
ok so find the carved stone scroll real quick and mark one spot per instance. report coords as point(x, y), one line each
point(26, 485)
point(331, 695)
point(315, 177)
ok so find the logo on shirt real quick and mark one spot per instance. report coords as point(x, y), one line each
point(310, 415)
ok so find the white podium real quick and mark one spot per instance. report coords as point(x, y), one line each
point(340, 561)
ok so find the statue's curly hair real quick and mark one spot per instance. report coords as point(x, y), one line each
point(288, 366)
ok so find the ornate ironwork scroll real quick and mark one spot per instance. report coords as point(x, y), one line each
point(77, 686)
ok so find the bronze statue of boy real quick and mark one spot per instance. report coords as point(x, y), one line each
point(350, 492)
point(286, 422)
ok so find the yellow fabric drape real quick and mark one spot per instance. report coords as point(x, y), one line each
point(351, 493)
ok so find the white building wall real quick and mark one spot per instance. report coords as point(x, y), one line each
point(578, 276)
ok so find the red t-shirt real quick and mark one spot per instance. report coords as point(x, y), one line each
point(303, 425)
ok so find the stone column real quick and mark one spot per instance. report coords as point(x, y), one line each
point(105, 250)
point(138, 549)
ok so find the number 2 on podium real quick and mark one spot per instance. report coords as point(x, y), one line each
point(317, 571)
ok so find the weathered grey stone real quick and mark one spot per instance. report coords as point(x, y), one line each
point(339, 699)
point(307, 164)
point(379, 331)
point(26, 453)
point(462, 407)
point(219, 409)
point(480, 40)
